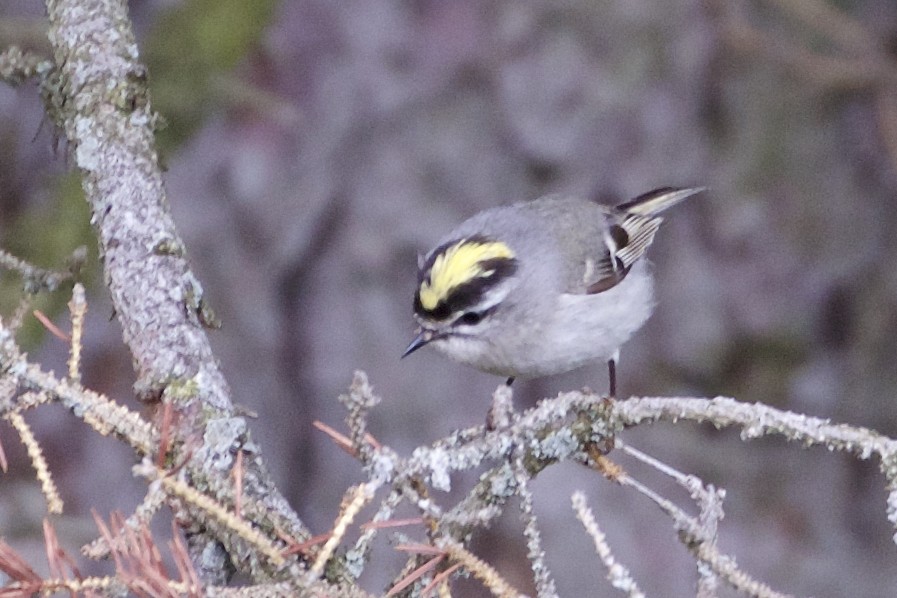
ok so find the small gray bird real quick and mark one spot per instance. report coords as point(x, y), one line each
point(541, 287)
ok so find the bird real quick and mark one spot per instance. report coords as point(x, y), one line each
point(541, 287)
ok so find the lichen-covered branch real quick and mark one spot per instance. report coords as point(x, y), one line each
point(35, 279)
point(618, 575)
point(101, 102)
point(255, 539)
point(18, 66)
point(580, 427)
point(756, 420)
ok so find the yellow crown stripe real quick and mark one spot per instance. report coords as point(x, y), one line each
point(457, 265)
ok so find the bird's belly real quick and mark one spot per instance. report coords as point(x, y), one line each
point(579, 330)
point(585, 329)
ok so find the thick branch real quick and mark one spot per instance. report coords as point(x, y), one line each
point(105, 111)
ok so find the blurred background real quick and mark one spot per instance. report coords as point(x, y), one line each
point(314, 148)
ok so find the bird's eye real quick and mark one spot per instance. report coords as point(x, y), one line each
point(470, 318)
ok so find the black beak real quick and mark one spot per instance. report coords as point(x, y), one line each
point(422, 338)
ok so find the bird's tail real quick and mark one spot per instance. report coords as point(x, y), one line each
point(655, 202)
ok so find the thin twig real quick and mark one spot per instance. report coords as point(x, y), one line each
point(490, 578)
point(710, 501)
point(693, 536)
point(48, 487)
point(617, 574)
point(545, 587)
point(77, 308)
point(357, 498)
point(36, 279)
point(215, 510)
point(415, 575)
point(50, 326)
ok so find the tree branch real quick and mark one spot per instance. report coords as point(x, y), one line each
point(104, 109)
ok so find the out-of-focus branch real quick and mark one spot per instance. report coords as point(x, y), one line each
point(859, 59)
point(17, 66)
point(849, 34)
point(36, 279)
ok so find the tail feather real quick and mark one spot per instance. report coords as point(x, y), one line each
point(632, 227)
point(654, 202)
point(640, 219)
point(641, 230)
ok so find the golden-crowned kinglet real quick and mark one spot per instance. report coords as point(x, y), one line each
point(541, 287)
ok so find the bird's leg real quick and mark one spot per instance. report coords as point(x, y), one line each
point(612, 375)
point(608, 444)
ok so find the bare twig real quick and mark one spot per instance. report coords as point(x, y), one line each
point(694, 535)
point(545, 587)
point(54, 501)
point(571, 427)
point(50, 326)
point(359, 401)
point(415, 575)
point(710, 501)
point(490, 578)
point(617, 574)
point(356, 556)
point(356, 499)
point(152, 502)
point(36, 279)
point(215, 511)
point(77, 308)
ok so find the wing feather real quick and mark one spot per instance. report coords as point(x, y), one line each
point(631, 229)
